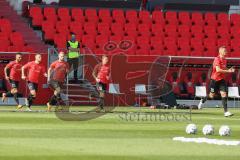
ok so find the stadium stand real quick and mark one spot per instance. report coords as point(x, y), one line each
point(15, 33)
point(177, 33)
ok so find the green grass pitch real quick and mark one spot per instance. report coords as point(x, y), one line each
point(42, 136)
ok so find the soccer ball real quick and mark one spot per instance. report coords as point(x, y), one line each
point(208, 129)
point(224, 131)
point(191, 129)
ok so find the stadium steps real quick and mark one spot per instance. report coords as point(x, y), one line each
point(21, 25)
point(81, 94)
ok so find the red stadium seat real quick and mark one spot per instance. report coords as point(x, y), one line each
point(142, 40)
point(63, 15)
point(171, 31)
point(77, 14)
point(157, 30)
point(144, 30)
point(131, 16)
point(91, 15)
point(210, 19)
point(48, 28)
point(144, 17)
point(223, 19)
point(76, 27)
point(118, 16)
point(60, 41)
point(104, 16)
point(171, 18)
point(210, 51)
point(88, 41)
point(101, 40)
point(158, 17)
point(36, 15)
point(184, 50)
point(50, 14)
point(61, 26)
point(184, 31)
point(197, 19)
point(28, 48)
point(5, 26)
point(103, 29)
point(196, 47)
point(129, 38)
point(223, 42)
point(156, 50)
point(90, 28)
point(184, 18)
point(15, 48)
point(184, 46)
point(130, 27)
point(117, 28)
point(115, 38)
point(235, 19)
point(209, 42)
point(4, 44)
point(143, 49)
point(210, 32)
point(16, 39)
point(156, 41)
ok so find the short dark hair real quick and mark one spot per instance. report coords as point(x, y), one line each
point(18, 53)
point(104, 56)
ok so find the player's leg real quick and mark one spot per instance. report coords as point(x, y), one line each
point(101, 89)
point(56, 96)
point(223, 92)
point(32, 95)
point(14, 92)
point(8, 93)
point(213, 88)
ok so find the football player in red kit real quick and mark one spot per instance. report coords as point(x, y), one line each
point(13, 76)
point(56, 77)
point(101, 74)
point(217, 82)
point(35, 70)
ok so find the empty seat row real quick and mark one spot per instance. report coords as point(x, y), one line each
point(39, 14)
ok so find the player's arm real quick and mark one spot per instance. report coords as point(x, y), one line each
point(95, 72)
point(23, 71)
point(44, 72)
point(7, 72)
point(49, 73)
point(230, 70)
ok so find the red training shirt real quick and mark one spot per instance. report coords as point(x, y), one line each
point(222, 63)
point(15, 70)
point(102, 72)
point(34, 71)
point(59, 70)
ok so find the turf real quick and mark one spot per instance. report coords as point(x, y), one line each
point(42, 136)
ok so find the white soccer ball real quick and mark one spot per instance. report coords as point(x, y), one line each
point(224, 131)
point(208, 129)
point(191, 129)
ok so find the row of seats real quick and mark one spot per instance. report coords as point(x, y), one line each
point(147, 38)
point(187, 81)
point(153, 46)
point(10, 40)
point(120, 16)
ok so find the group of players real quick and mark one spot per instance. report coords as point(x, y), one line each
point(56, 76)
point(14, 71)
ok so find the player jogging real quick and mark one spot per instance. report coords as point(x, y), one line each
point(217, 82)
point(35, 70)
point(56, 76)
point(13, 76)
point(101, 74)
